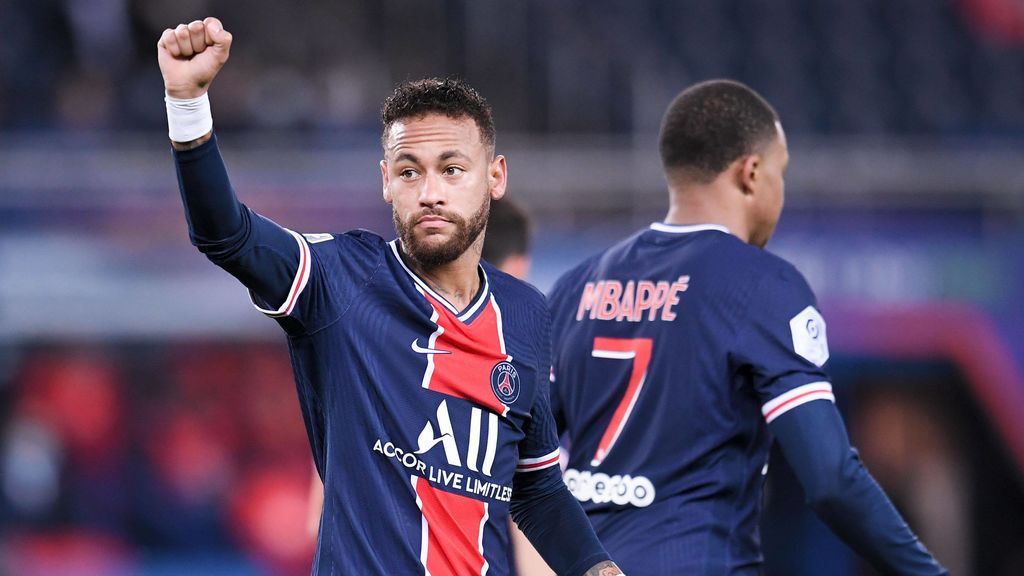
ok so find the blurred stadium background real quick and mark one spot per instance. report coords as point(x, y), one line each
point(148, 423)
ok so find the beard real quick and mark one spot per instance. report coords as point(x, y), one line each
point(432, 254)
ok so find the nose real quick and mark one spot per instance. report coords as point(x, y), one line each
point(432, 191)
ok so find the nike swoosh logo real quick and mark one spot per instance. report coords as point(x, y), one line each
point(419, 349)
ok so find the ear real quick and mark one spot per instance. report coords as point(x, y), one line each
point(749, 176)
point(385, 180)
point(497, 177)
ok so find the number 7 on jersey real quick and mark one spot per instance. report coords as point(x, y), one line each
point(639, 351)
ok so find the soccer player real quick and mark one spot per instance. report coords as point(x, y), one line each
point(421, 373)
point(507, 248)
point(681, 351)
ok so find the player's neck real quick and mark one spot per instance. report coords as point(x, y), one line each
point(706, 205)
point(457, 281)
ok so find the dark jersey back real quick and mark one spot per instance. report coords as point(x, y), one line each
point(671, 350)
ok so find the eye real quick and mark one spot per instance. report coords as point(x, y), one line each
point(407, 174)
point(453, 171)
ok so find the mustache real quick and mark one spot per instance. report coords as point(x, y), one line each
point(435, 211)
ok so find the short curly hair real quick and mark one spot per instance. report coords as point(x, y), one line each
point(711, 124)
point(449, 96)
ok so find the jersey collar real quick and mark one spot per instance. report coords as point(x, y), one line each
point(482, 295)
point(678, 229)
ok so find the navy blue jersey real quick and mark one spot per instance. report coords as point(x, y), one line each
point(432, 410)
point(429, 425)
point(672, 350)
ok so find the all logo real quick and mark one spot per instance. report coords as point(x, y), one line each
point(445, 435)
point(505, 382)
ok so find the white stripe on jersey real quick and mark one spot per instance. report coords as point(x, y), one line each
point(501, 332)
point(531, 464)
point(424, 287)
point(298, 284)
point(796, 397)
point(682, 229)
point(424, 528)
point(480, 539)
point(431, 342)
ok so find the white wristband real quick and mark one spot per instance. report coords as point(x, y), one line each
point(188, 119)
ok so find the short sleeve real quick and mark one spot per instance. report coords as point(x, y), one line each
point(782, 344)
point(331, 271)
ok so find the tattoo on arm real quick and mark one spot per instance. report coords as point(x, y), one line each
point(606, 568)
point(182, 146)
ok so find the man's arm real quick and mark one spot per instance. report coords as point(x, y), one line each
point(542, 506)
point(554, 523)
point(264, 256)
point(783, 347)
point(843, 493)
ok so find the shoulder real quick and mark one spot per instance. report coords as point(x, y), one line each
point(756, 266)
point(360, 237)
point(779, 275)
point(508, 289)
point(758, 261)
point(784, 302)
point(360, 244)
point(344, 259)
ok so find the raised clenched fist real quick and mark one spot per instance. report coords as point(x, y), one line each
point(191, 55)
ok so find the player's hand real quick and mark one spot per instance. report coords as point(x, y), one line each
point(191, 55)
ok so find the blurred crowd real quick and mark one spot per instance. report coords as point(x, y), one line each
point(115, 455)
point(907, 67)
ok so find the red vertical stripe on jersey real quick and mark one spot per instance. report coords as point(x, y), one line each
point(475, 349)
point(454, 522)
point(453, 531)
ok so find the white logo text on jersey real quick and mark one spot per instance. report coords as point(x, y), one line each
point(421, 350)
point(444, 433)
point(601, 488)
point(446, 437)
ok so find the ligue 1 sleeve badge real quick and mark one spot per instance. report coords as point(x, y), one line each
point(505, 382)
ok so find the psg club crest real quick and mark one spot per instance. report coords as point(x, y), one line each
point(505, 382)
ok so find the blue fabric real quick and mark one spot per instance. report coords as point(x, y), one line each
point(388, 423)
point(546, 512)
point(262, 255)
point(671, 350)
point(843, 493)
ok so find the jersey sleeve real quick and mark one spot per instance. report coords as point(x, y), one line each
point(327, 275)
point(782, 345)
point(306, 282)
point(845, 496)
point(538, 450)
point(542, 505)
